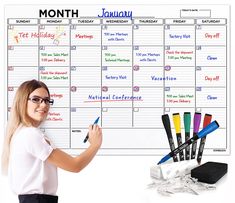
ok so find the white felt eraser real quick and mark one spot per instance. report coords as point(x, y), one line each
point(171, 170)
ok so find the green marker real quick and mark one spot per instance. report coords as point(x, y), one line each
point(187, 123)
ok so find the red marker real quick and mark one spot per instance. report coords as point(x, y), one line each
point(206, 122)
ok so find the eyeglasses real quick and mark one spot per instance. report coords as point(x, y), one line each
point(39, 100)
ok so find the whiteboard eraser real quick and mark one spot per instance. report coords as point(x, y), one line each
point(210, 172)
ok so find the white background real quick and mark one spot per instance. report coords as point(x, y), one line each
point(120, 179)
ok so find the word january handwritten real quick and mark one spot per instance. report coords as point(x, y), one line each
point(115, 14)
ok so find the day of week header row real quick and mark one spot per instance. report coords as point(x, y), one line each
point(95, 21)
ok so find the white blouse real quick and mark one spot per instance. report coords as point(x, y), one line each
point(29, 172)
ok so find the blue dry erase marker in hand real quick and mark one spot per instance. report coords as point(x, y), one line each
point(87, 136)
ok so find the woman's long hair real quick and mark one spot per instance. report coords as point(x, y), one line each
point(19, 116)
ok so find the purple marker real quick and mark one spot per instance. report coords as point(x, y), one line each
point(196, 125)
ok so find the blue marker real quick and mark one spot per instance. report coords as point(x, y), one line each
point(204, 132)
point(87, 136)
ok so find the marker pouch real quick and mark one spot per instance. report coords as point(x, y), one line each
point(172, 170)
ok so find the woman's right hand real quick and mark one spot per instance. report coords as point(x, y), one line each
point(77, 163)
point(95, 135)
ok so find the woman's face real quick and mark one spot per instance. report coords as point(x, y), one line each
point(38, 105)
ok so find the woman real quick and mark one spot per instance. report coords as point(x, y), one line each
point(28, 156)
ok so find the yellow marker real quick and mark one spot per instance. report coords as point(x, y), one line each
point(176, 120)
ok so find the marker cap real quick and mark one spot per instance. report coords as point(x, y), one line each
point(208, 129)
point(196, 122)
point(187, 121)
point(176, 120)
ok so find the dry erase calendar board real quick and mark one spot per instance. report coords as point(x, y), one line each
point(127, 64)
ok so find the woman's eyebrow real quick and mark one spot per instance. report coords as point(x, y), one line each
point(47, 97)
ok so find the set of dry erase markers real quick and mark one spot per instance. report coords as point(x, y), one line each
point(209, 172)
point(186, 153)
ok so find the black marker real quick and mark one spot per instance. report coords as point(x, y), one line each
point(167, 126)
